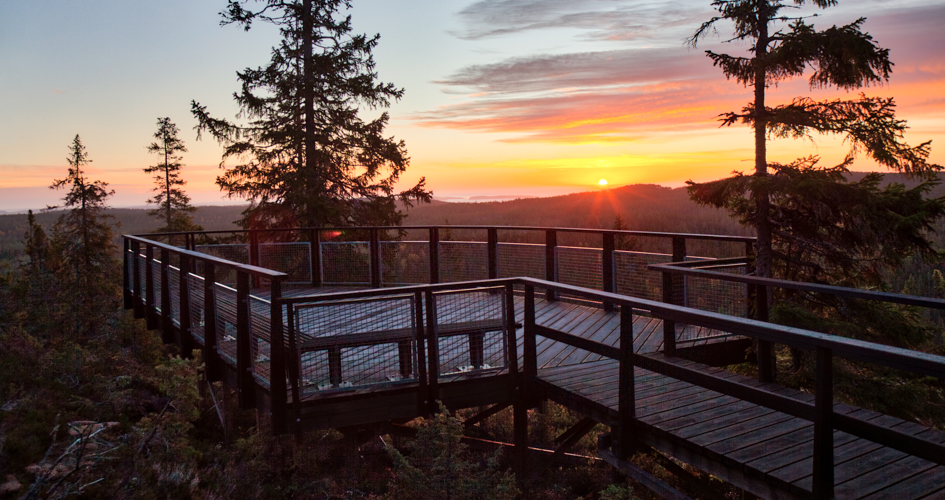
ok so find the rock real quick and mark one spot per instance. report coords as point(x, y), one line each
point(10, 485)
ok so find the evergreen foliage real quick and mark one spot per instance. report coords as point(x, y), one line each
point(306, 157)
point(439, 466)
point(83, 240)
point(841, 57)
point(173, 205)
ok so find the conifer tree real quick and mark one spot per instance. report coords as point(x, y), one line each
point(83, 238)
point(174, 207)
point(306, 156)
point(841, 57)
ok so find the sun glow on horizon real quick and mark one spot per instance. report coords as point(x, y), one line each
point(602, 182)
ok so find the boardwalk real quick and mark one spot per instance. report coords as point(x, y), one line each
point(754, 447)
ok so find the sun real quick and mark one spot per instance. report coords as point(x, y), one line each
point(602, 182)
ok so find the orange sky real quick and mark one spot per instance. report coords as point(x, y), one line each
point(503, 97)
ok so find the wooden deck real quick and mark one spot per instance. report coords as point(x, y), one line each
point(756, 448)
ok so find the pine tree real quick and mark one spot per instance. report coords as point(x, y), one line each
point(842, 57)
point(82, 236)
point(174, 207)
point(306, 157)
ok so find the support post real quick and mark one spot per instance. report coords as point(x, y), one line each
point(187, 342)
point(136, 279)
point(423, 396)
point(607, 267)
point(626, 398)
point(434, 255)
point(823, 426)
point(254, 254)
point(149, 313)
point(375, 251)
point(211, 357)
point(669, 326)
point(493, 253)
point(278, 391)
point(433, 352)
point(767, 363)
point(530, 348)
point(167, 328)
point(244, 367)
point(315, 256)
point(511, 338)
point(127, 262)
point(551, 264)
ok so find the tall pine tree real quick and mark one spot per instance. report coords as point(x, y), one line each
point(173, 205)
point(83, 237)
point(841, 57)
point(305, 156)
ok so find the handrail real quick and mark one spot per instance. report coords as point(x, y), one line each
point(257, 271)
point(686, 269)
point(616, 232)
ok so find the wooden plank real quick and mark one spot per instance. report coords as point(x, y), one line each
point(920, 485)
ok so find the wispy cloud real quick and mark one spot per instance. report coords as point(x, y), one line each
point(602, 19)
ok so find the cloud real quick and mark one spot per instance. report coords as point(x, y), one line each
point(602, 19)
point(578, 70)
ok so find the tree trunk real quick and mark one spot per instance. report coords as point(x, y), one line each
point(763, 256)
point(308, 101)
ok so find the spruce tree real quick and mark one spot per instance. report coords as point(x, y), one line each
point(305, 156)
point(82, 236)
point(174, 207)
point(841, 57)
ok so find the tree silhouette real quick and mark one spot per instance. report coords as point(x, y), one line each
point(841, 57)
point(174, 206)
point(306, 156)
point(83, 237)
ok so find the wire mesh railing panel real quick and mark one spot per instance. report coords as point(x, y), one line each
point(233, 252)
point(463, 261)
point(197, 307)
point(471, 330)
point(713, 295)
point(521, 259)
point(260, 330)
point(346, 263)
point(156, 284)
point(173, 283)
point(294, 259)
point(226, 318)
point(580, 267)
point(355, 343)
point(405, 262)
point(634, 278)
point(142, 276)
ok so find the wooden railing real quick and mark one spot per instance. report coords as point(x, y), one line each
point(759, 291)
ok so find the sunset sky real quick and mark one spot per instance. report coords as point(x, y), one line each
point(503, 97)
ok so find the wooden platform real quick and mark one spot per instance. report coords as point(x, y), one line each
point(756, 448)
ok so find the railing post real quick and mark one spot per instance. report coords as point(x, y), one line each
point(254, 254)
point(375, 251)
point(186, 335)
point(511, 339)
point(136, 280)
point(127, 262)
point(434, 255)
point(679, 255)
point(294, 370)
point(211, 358)
point(244, 362)
point(823, 426)
point(167, 329)
point(492, 248)
point(149, 313)
point(423, 396)
point(767, 363)
point(551, 267)
point(626, 397)
point(521, 402)
point(315, 256)
point(669, 326)
point(607, 267)
point(433, 353)
point(277, 366)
